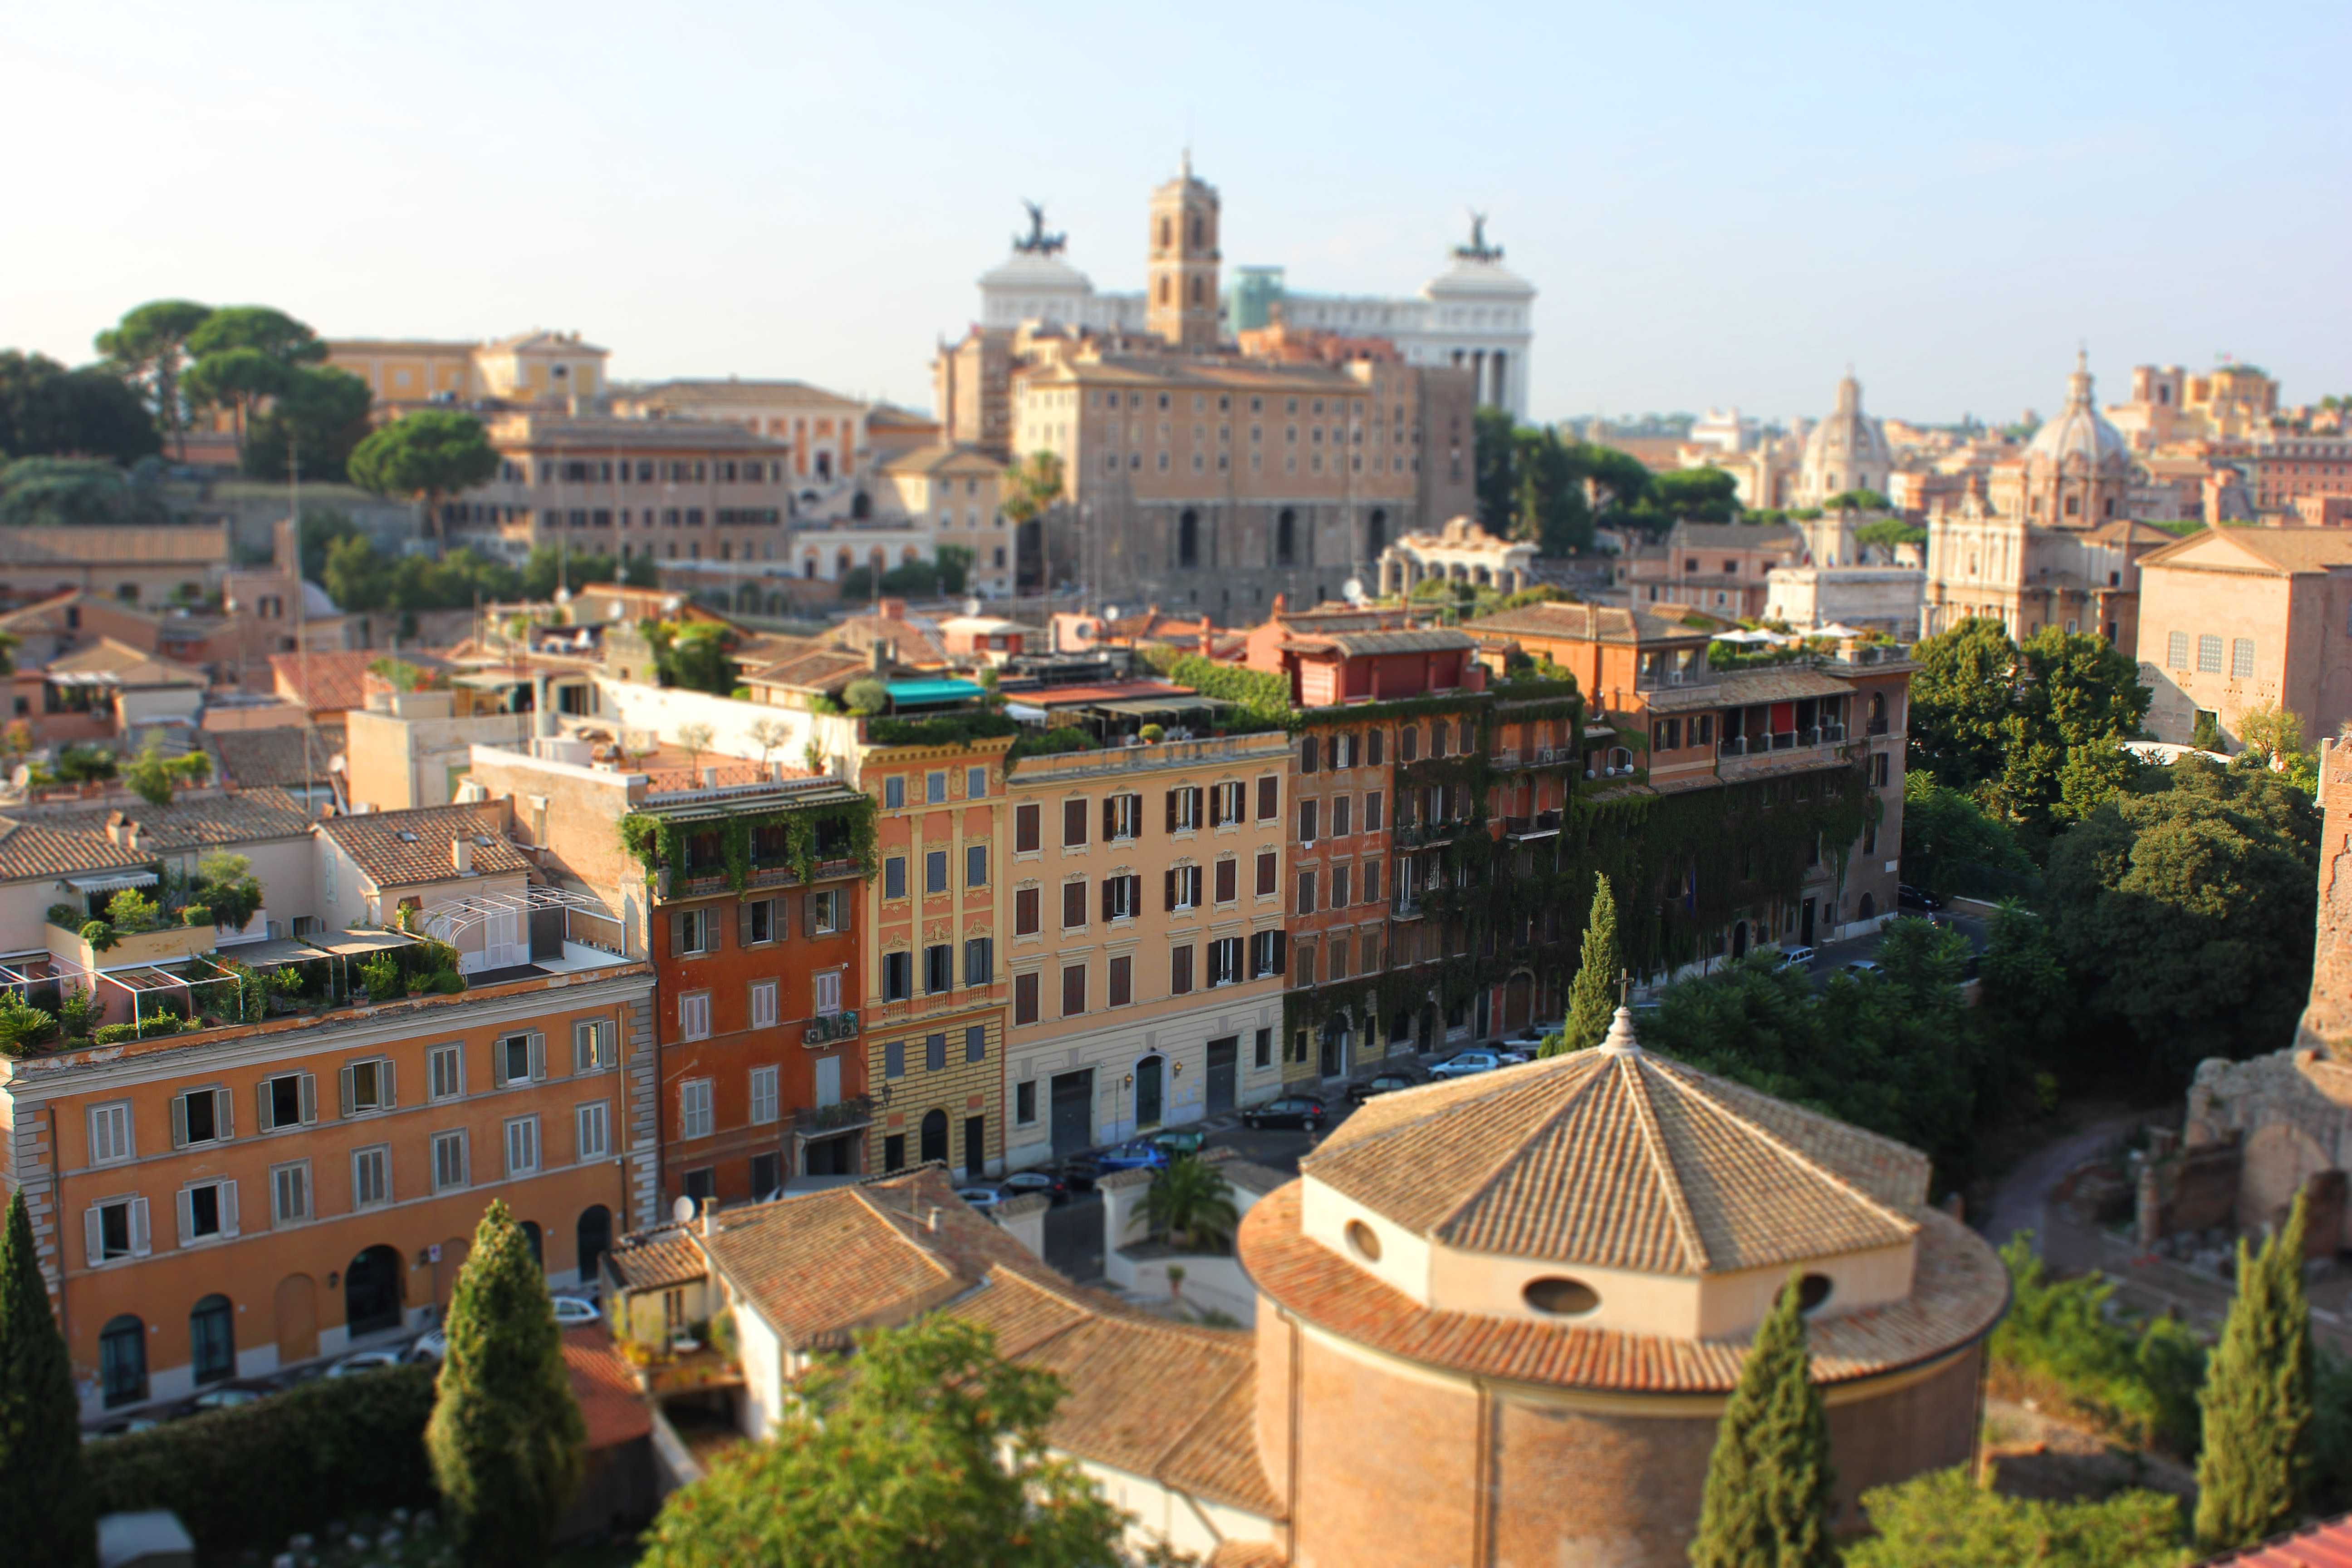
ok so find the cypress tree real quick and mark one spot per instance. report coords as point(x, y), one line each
point(1592, 998)
point(43, 1487)
point(1768, 1483)
point(2256, 1456)
point(506, 1433)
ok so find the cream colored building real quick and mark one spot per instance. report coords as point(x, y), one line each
point(537, 368)
point(1147, 944)
point(958, 493)
point(2234, 618)
point(1460, 552)
point(826, 431)
point(1846, 451)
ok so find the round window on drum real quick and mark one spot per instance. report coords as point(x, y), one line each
point(1364, 1239)
point(1558, 1296)
point(1813, 1290)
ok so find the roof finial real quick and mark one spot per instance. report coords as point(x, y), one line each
point(1619, 1041)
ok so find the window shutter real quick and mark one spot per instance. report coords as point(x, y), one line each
point(742, 924)
point(261, 1122)
point(141, 1242)
point(1281, 946)
point(676, 933)
point(391, 1097)
point(225, 1114)
point(1172, 811)
point(228, 1208)
point(310, 1097)
point(93, 1235)
point(179, 1122)
point(187, 1206)
point(538, 1057)
point(345, 1076)
point(1108, 884)
point(1110, 818)
point(1268, 789)
point(1171, 885)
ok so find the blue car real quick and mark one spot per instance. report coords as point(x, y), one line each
point(1139, 1156)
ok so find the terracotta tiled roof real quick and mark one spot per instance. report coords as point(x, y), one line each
point(1248, 1555)
point(1359, 644)
point(1958, 1291)
point(1740, 688)
point(50, 845)
point(400, 847)
point(2327, 1544)
point(253, 758)
point(114, 544)
point(826, 670)
point(338, 677)
point(608, 1397)
point(1622, 1161)
point(122, 664)
point(1730, 536)
point(1587, 623)
point(654, 1259)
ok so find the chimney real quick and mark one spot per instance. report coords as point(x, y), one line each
point(710, 778)
point(894, 609)
point(776, 771)
point(933, 1223)
point(461, 854)
point(875, 655)
point(130, 835)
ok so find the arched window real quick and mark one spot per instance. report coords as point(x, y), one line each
point(122, 1361)
point(1196, 290)
point(861, 505)
point(1188, 539)
point(1869, 907)
point(372, 1287)
point(1200, 232)
point(212, 1338)
point(1163, 289)
point(935, 1135)
point(1148, 1080)
point(1285, 538)
point(1167, 234)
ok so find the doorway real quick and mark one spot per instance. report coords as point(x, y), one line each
point(212, 1338)
point(1485, 998)
point(1074, 1119)
point(594, 1237)
point(1150, 1091)
point(830, 1156)
point(296, 1308)
point(1223, 1057)
point(1739, 940)
point(1805, 925)
point(1426, 1037)
point(1518, 1003)
point(935, 1137)
point(1335, 1046)
point(372, 1292)
point(975, 1146)
point(122, 1361)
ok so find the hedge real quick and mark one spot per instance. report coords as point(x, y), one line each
point(254, 1475)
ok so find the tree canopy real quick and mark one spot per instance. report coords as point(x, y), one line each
point(2253, 1469)
point(426, 456)
point(1770, 1488)
point(64, 492)
point(2184, 905)
point(318, 418)
point(47, 410)
point(927, 1450)
point(44, 1492)
point(1946, 1519)
point(149, 347)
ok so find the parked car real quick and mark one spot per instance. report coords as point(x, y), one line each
point(1080, 1172)
point(1512, 1056)
point(364, 1361)
point(431, 1346)
point(1138, 1154)
point(1290, 1111)
point(117, 1428)
point(572, 1310)
point(1387, 1083)
point(983, 1199)
point(1796, 958)
point(1044, 1184)
point(1911, 898)
point(1180, 1139)
point(222, 1399)
point(1463, 1064)
point(1862, 966)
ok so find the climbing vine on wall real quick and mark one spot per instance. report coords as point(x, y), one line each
point(656, 842)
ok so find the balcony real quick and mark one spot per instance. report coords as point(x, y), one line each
point(1876, 727)
point(1542, 825)
point(1733, 746)
point(832, 1026)
point(823, 1120)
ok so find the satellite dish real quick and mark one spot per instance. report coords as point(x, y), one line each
point(1110, 612)
point(682, 1210)
point(1353, 590)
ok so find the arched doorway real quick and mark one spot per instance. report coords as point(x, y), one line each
point(1188, 539)
point(1740, 939)
point(594, 1238)
point(1426, 1037)
point(1518, 1003)
point(935, 1136)
point(861, 506)
point(372, 1292)
point(296, 1309)
point(212, 1338)
point(1285, 538)
point(122, 1361)
point(1151, 1091)
point(532, 1233)
point(1376, 533)
point(1869, 906)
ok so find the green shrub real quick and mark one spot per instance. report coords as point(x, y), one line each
point(23, 1026)
point(66, 917)
point(253, 1476)
point(2139, 1381)
point(1946, 1518)
point(1052, 743)
point(868, 696)
point(195, 915)
point(939, 729)
point(381, 976)
point(448, 982)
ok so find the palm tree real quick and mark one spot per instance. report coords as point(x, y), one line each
point(1192, 1207)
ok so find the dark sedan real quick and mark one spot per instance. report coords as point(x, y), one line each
point(1387, 1083)
point(1911, 898)
point(1291, 1111)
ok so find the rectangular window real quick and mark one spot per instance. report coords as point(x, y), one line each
point(979, 961)
point(893, 793)
point(1226, 804)
point(694, 1017)
point(1026, 827)
point(1026, 917)
point(117, 1229)
point(1262, 1055)
point(2241, 658)
point(522, 1146)
point(1269, 798)
point(445, 1071)
point(371, 1177)
point(1307, 811)
point(1024, 998)
point(448, 1161)
point(695, 931)
point(694, 1108)
point(1308, 748)
point(1371, 881)
point(1074, 990)
point(2209, 654)
point(2177, 650)
point(894, 877)
point(1340, 886)
point(290, 1193)
point(289, 1099)
point(1225, 960)
point(1074, 824)
point(595, 1044)
point(1123, 817)
point(897, 976)
point(935, 1053)
point(520, 1060)
point(763, 1004)
point(894, 1059)
point(367, 1088)
point(1307, 892)
point(975, 1043)
point(1121, 895)
point(592, 1129)
point(824, 913)
point(1073, 905)
point(200, 1116)
point(760, 925)
point(1180, 970)
point(764, 1095)
point(828, 992)
point(935, 788)
point(1122, 981)
point(109, 1133)
point(975, 866)
point(1024, 1102)
point(1184, 810)
point(1228, 881)
point(1266, 953)
point(207, 1210)
point(975, 783)
point(1340, 817)
point(934, 871)
point(939, 968)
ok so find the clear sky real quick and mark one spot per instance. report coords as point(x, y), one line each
point(1720, 204)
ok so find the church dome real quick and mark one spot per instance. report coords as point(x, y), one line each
point(1848, 437)
point(1038, 273)
point(1477, 274)
point(2079, 437)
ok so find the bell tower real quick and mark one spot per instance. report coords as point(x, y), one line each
point(1181, 304)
